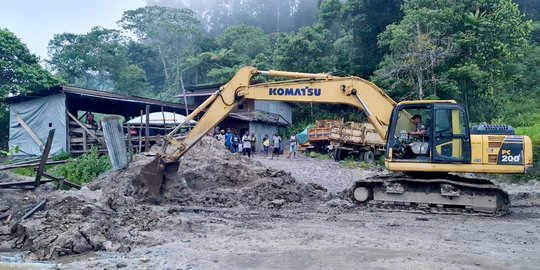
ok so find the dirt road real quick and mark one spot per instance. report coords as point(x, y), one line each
point(331, 235)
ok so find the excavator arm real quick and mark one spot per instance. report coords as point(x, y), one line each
point(300, 87)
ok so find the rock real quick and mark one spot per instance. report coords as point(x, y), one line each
point(277, 202)
point(121, 265)
point(339, 203)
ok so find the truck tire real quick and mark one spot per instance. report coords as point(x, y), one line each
point(335, 154)
point(338, 154)
point(368, 156)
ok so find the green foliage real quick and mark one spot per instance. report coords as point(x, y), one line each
point(9, 153)
point(532, 131)
point(24, 171)
point(319, 156)
point(465, 50)
point(172, 33)
point(352, 162)
point(20, 72)
point(62, 155)
point(84, 168)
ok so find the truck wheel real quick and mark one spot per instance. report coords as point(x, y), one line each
point(338, 154)
point(335, 154)
point(369, 156)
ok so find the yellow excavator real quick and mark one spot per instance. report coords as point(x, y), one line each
point(427, 143)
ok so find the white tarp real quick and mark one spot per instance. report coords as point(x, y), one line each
point(41, 115)
point(156, 118)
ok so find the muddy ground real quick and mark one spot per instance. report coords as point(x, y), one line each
point(230, 212)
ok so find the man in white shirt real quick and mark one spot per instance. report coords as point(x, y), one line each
point(246, 144)
point(292, 146)
point(276, 141)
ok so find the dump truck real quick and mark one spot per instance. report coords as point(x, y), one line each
point(319, 135)
point(360, 139)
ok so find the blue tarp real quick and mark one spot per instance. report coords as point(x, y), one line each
point(302, 137)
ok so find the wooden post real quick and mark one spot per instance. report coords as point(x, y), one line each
point(140, 134)
point(130, 145)
point(147, 129)
point(44, 158)
point(85, 146)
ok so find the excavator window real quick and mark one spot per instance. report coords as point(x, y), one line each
point(451, 135)
point(412, 133)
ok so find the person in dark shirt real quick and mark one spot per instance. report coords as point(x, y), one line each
point(90, 120)
point(228, 139)
point(420, 130)
point(235, 140)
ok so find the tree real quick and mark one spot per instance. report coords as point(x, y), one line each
point(309, 50)
point(93, 60)
point(454, 50)
point(270, 15)
point(173, 33)
point(361, 22)
point(20, 72)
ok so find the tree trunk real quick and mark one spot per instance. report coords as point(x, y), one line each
point(420, 79)
point(165, 71)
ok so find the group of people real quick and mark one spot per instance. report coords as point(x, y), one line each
point(247, 143)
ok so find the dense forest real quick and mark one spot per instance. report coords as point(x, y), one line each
point(483, 53)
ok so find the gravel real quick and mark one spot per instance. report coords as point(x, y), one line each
point(327, 173)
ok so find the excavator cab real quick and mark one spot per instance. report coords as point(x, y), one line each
point(429, 132)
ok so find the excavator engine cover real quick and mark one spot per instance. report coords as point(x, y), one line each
point(152, 174)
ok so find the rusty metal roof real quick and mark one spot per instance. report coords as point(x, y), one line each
point(101, 101)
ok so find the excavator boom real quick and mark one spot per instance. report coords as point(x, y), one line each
point(301, 87)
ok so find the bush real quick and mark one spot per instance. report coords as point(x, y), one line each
point(532, 131)
point(319, 156)
point(62, 155)
point(84, 168)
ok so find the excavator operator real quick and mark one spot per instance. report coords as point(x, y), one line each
point(420, 130)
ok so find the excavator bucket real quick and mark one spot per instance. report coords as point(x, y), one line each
point(153, 174)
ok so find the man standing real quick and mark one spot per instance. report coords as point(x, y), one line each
point(235, 142)
point(221, 136)
point(292, 146)
point(253, 140)
point(276, 141)
point(228, 139)
point(266, 144)
point(246, 144)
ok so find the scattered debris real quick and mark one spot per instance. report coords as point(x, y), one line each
point(112, 213)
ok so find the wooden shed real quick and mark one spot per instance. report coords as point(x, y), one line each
point(64, 109)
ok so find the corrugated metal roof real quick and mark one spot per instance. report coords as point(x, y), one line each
point(260, 116)
point(90, 93)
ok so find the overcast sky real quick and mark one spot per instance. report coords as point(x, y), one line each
point(36, 21)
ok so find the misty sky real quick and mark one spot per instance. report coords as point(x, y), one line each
point(36, 21)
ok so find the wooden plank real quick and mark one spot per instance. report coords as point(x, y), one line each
point(23, 183)
point(77, 140)
point(26, 165)
point(44, 158)
point(84, 127)
point(30, 132)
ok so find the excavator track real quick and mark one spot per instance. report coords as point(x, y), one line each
point(449, 194)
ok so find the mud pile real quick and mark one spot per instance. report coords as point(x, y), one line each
point(210, 175)
point(113, 214)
